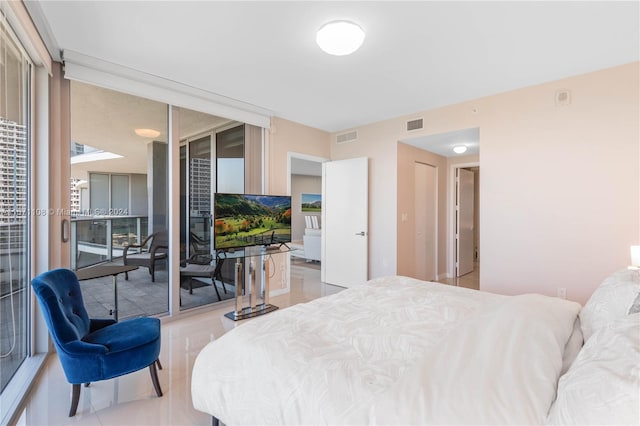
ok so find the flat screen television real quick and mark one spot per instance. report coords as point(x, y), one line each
point(242, 220)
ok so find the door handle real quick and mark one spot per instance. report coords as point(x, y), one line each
point(361, 233)
point(65, 230)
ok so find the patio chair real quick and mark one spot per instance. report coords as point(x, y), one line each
point(199, 245)
point(153, 249)
point(200, 265)
point(89, 349)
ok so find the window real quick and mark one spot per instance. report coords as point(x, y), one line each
point(14, 195)
point(98, 191)
point(109, 194)
point(120, 193)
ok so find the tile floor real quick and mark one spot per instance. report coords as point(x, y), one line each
point(131, 400)
point(470, 280)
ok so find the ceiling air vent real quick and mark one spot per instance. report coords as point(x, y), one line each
point(347, 137)
point(416, 124)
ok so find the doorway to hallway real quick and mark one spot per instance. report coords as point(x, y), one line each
point(470, 280)
point(426, 217)
point(465, 218)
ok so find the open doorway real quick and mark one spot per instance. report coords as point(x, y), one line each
point(465, 220)
point(426, 221)
point(448, 152)
point(305, 187)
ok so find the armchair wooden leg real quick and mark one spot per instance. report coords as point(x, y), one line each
point(154, 378)
point(75, 397)
point(158, 364)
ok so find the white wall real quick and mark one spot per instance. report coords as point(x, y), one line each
point(560, 189)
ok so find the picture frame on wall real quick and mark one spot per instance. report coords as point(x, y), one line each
point(311, 203)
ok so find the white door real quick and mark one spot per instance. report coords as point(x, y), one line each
point(345, 214)
point(425, 216)
point(464, 231)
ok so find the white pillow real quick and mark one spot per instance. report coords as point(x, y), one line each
point(611, 300)
point(603, 384)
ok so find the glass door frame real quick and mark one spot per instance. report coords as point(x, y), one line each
point(185, 142)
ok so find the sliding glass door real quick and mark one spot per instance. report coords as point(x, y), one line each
point(200, 209)
point(14, 206)
point(211, 159)
point(119, 181)
point(230, 160)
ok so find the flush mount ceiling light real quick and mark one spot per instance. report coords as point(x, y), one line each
point(340, 38)
point(147, 133)
point(459, 149)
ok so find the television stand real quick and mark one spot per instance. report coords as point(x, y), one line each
point(251, 254)
point(273, 247)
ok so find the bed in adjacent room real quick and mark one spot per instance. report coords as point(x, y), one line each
point(401, 351)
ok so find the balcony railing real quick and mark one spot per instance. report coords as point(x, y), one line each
point(101, 239)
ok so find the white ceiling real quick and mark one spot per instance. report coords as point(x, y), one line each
point(416, 56)
point(107, 120)
point(305, 167)
point(443, 143)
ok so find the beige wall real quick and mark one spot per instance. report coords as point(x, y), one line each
point(285, 137)
point(560, 189)
point(560, 185)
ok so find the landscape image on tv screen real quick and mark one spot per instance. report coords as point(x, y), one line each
point(243, 220)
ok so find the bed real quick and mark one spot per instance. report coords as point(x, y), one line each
point(401, 351)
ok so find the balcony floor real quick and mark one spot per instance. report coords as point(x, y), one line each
point(138, 296)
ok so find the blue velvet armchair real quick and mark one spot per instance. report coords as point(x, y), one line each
point(91, 350)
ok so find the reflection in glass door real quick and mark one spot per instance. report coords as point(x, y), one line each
point(200, 195)
point(230, 160)
point(211, 159)
point(119, 173)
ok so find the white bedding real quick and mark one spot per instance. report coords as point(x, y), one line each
point(602, 386)
point(395, 350)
